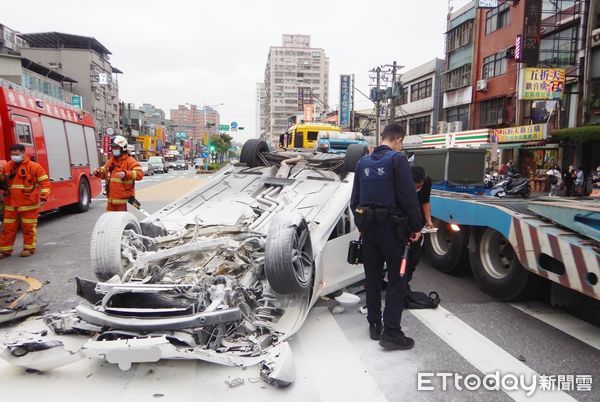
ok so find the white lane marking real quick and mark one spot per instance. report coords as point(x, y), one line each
point(578, 329)
point(482, 353)
point(344, 377)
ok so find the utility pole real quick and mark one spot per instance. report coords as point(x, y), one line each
point(393, 101)
point(378, 106)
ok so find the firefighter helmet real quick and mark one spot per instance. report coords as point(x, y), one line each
point(119, 141)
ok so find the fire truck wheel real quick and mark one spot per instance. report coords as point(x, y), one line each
point(446, 250)
point(289, 263)
point(353, 155)
point(113, 247)
point(251, 151)
point(85, 197)
point(497, 269)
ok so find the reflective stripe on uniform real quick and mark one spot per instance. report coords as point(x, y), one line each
point(42, 178)
point(21, 187)
point(31, 246)
point(9, 208)
point(6, 248)
point(134, 173)
point(7, 220)
point(118, 201)
point(121, 181)
point(25, 220)
point(28, 208)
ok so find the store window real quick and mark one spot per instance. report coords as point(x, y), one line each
point(421, 90)
point(496, 18)
point(420, 125)
point(559, 49)
point(490, 112)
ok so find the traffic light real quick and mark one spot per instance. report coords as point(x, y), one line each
point(212, 148)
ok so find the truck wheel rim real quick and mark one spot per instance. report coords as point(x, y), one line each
point(301, 255)
point(496, 254)
point(84, 195)
point(441, 240)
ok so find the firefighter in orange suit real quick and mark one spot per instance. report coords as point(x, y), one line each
point(121, 172)
point(26, 188)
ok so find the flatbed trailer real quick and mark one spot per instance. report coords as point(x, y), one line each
point(515, 247)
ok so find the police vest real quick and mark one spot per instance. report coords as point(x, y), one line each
point(376, 178)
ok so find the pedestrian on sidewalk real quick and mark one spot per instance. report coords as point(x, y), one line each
point(121, 172)
point(569, 180)
point(26, 187)
point(554, 179)
point(579, 180)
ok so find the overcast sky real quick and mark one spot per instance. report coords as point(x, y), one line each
point(208, 52)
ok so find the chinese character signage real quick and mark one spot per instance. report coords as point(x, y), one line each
point(300, 99)
point(542, 84)
point(487, 3)
point(532, 31)
point(345, 101)
point(536, 132)
point(309, 112)
point(181, 135)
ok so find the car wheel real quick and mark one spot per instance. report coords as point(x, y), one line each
point(251, 151)
point(289, 263)
point(353, 155)
point(85, 198)
point(446, 250)
point(109, 252)
point(497, 269)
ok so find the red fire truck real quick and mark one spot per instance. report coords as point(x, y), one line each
point(60, 138)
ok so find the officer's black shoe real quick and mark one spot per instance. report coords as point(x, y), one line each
point(375, 331)
point(395, 341)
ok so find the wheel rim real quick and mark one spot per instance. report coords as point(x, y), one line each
point(302, 255)
point(442, 239)
point(84, 195)
point(496, 254)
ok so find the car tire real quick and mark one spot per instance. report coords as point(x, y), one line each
point(251, 150)
point(85, 197)
point(106, 249)
point(497, 269)
point(353, 154)
point(289, 264)
point(446, 250)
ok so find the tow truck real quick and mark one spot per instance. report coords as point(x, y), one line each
point(515, 248)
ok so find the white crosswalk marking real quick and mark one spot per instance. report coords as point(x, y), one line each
point(481, 352)
point(570, 325)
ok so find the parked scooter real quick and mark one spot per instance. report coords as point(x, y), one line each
point(511, 186)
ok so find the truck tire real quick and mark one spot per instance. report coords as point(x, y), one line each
point(251, 150)
point(106, 249)
point(353, 155)
point(497, 269)
point(446, 250)
point(289, 263)
point(85, 197)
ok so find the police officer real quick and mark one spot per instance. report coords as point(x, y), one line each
point(386, 209)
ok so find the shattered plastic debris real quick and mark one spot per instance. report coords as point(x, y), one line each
point(337, 309)
point(234, 383)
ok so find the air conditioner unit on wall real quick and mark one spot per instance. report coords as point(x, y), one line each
point(441, 127)
point(596, 37)
point(482, 85)
point(456, 126)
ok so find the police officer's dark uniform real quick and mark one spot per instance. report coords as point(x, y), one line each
point(384, 192)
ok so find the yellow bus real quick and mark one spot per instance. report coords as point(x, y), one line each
point(305, 135)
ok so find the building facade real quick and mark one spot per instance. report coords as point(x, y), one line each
point(420, 105)
point(457, 90)
point(260, 109)
point(85, 60)
point(197, 123)
point(296, 76)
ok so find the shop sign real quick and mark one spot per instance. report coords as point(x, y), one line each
point(542, 84)
point(534, 132)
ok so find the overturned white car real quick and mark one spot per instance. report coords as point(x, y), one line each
point(226, 274)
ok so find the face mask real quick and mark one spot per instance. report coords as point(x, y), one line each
point(116, 152)
point(16, 158)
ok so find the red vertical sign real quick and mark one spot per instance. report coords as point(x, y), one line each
point(106, 143)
